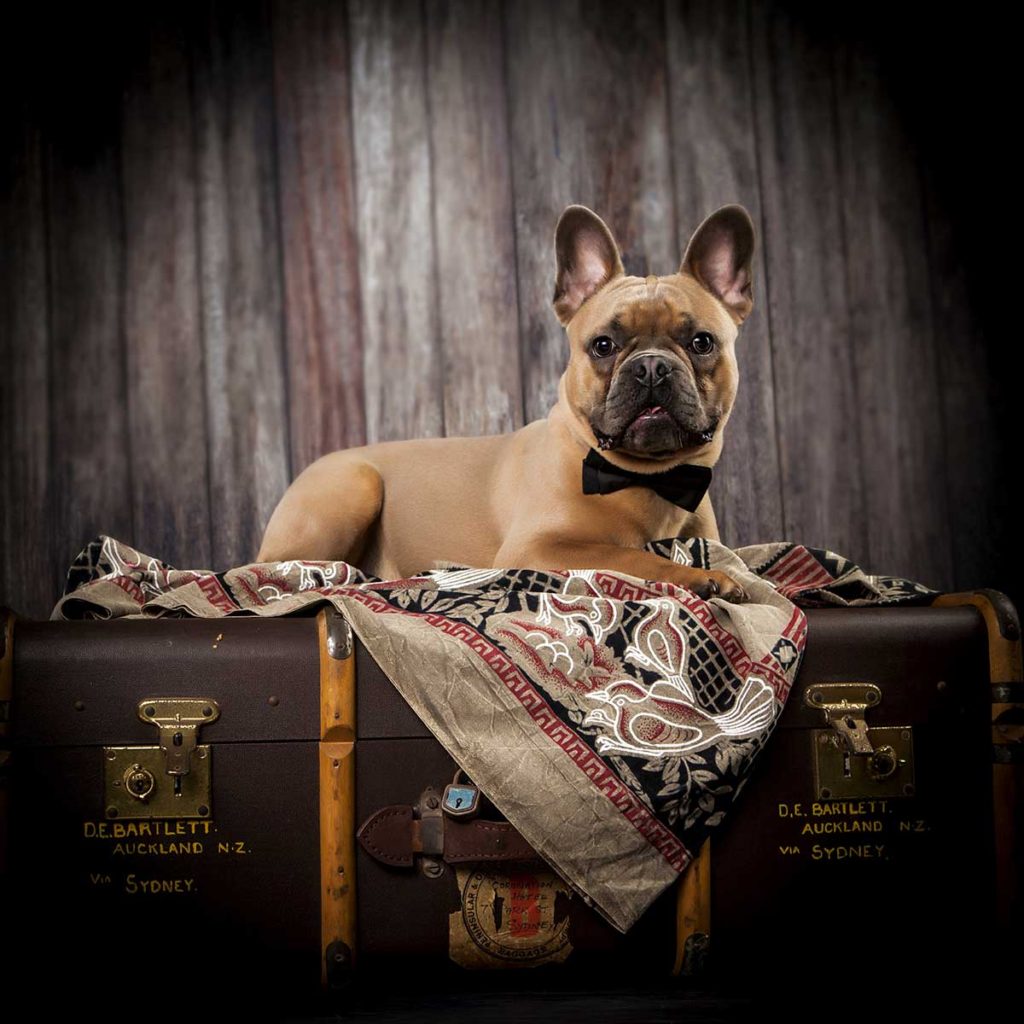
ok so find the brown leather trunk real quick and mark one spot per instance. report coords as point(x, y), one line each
point(260, 882)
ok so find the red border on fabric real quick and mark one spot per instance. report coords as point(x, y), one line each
point(591, 764)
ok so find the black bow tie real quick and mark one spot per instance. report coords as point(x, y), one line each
point(683, 485)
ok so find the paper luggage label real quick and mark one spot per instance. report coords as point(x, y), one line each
point(513, 919)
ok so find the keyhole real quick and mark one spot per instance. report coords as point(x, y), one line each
point(139, 782)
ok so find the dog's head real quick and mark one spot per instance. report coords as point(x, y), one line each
point(652, 371)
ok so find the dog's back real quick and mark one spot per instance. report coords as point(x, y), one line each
point(396, 507)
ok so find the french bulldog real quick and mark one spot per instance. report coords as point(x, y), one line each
point(622, 458)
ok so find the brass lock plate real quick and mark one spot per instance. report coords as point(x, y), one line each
point(888, 771)
point(136, 784)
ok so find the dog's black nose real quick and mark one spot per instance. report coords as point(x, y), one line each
point(650, 370)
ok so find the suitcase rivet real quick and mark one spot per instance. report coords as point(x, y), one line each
point(151, 711)
point(336, 763)
point(908, 789)
point(273, 701)
point(826, 793)
point(79, 705)
point(207, 711)
point(432, 802)
point(111, 812)
point(942, 685)
point(204, 810)
point(111, 756)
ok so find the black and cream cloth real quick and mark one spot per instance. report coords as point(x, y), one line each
point(612, 720)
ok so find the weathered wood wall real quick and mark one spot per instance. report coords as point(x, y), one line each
point(236, 236)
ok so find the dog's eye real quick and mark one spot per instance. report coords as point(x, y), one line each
point(602, 348)
point(702, 343)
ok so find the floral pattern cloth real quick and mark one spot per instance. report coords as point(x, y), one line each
point(612, 720)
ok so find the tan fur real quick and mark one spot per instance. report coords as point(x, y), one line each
point(516, 499)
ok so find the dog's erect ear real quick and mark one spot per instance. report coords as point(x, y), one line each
point(586, 256)
point(720, 255)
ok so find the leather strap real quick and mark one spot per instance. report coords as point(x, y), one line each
point(393, 836)
point(387, 835)
point(484, 840)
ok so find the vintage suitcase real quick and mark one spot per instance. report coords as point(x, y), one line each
point(184, 796)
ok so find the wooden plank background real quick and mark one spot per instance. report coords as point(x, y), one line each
point(236, 236)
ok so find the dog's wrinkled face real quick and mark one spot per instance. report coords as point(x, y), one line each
point(653, 368)
point(652, 372)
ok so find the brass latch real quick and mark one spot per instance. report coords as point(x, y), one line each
point(172, 779)
point(852, 760)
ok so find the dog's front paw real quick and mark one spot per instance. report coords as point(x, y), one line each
point(718, 584)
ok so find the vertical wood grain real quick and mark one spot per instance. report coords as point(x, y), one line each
point(320, 254)
point(403, 359)
point(239, 280)
point(182, 322)
point(28, 548)
point(979, 479)
point(89, 452)
point(588, 124)
point(892, 335)
point(817, 407)
point(714, 159)
point(473, 218)
point(166, 381)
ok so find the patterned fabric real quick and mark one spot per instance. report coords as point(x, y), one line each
point(612, 720)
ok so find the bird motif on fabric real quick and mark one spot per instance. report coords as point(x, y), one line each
point(665, 718)
point(582, 606)
point(661, 721)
